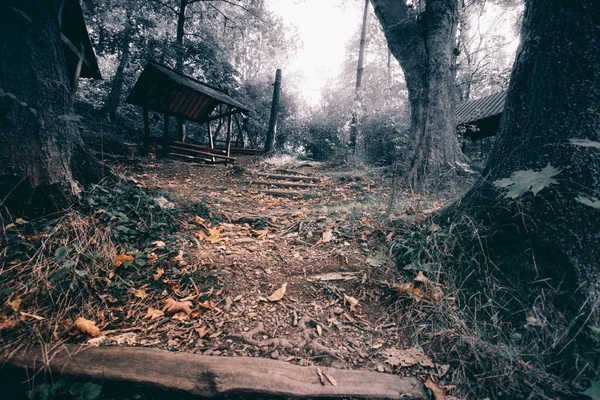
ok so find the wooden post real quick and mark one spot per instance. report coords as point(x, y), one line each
point(146, 130)
point(229, 131)
point(270, 143)
point(210, 139)
point(77, 73)
point(240, 131)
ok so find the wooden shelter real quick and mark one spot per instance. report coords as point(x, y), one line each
point(477, 119)
point(162, 89)
point(79, 53)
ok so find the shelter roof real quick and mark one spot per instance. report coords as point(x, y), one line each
point(75, 37)
point(162, 89)
point(472, 111)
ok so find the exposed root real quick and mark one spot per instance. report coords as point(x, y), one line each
point(276, 342)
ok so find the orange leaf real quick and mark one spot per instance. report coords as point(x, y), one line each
point(87, 326)
point(351, 301)
point(278, 294)
point(153, 314)
point(121, 258)
point(159, 273)
point(173, 306)
point(14, 304)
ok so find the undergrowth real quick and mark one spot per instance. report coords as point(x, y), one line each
point(503, 339)
point(61, 267)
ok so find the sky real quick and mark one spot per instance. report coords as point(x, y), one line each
point(325, 27)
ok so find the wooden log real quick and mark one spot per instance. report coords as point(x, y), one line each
point(290, 194)
point(294, 178)
point(202, 153)
point(285, 184)
point(204, 161)
point(197, 147)
point(214, 377)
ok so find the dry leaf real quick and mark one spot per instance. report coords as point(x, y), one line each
point(159, 273)
point(152, 258)
point(327, 236)
point(321, 377)
point(97, 341)
point(199, 220)
point(423, 279)
point(202, 331)
point(352, 301)
point(330, 378)
point(6, 324)
point(410, 288)
point(319, 330)
point(153, 314)
point(439, 392)
point(140, 294)
point(278, 294)
point(179, 258)
point(173, 306)
point(407, 358)
point(159, 243)
point(216, 334)
point(14, 305)
point(87, 326)
point(121, 258)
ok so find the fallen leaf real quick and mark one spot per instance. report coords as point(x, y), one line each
point(278, 294)
point(421, 278)
point(179, 258)
point(159, 273)
point(351, 301)
point(327, 236)
point(14, 305)
point(321, 377)
point(439, 393)
point(202, 331)
point(173, 306)
point(199, 220)
point(121, 258)
point(140, 294)
point(97, 341)
point(330, 378)
point(319, 330)
point(216, 335)
point(6, 324)
point(87, 326)
point(153, 314)
point(152, 258)
point(159, 243)
point(408, 358)
point(410, 288)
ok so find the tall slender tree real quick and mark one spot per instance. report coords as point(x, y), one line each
point(423, 42)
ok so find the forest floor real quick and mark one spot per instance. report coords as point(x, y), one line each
point(307, 279)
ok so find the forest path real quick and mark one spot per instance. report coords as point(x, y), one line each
point(317, 243)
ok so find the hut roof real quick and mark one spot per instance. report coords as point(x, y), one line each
point(75, 37)
point(469, 112)
point(162, 89)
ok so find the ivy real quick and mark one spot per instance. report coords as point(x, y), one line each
point(520, 182)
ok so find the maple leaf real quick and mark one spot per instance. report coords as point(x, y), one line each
point(523, 181)
point(87, 326)
point(202, 331)
point(140, 294)
point(173, 306)
point(278, 294)
point(14, 304)
point(153, 314)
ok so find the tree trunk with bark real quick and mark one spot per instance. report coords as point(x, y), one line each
point(549, 241)
point(179, 57)
point(424, 45)
point(43, 160)
point(113, 100)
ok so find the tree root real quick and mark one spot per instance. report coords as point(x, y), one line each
point(249, 338)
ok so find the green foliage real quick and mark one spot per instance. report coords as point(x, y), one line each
point(520, 182)
point(61, 390)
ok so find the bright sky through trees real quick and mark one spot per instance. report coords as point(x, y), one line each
point(326, 27)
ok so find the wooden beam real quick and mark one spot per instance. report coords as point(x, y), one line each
point(202, 153)
point(77, 73)
point(200, 376)
point(74, 49)
point(229, 132)
point(240, 137)
point(226, 114)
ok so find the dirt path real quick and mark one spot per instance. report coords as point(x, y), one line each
point(311, 243)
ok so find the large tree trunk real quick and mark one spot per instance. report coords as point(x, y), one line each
point(424, 46)
point(113, 100)
point(554, 96)
point(42, 155)
point(181, 129)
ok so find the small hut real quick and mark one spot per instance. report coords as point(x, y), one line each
point(79, 53)
point(162, 89)
point(477, 119)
